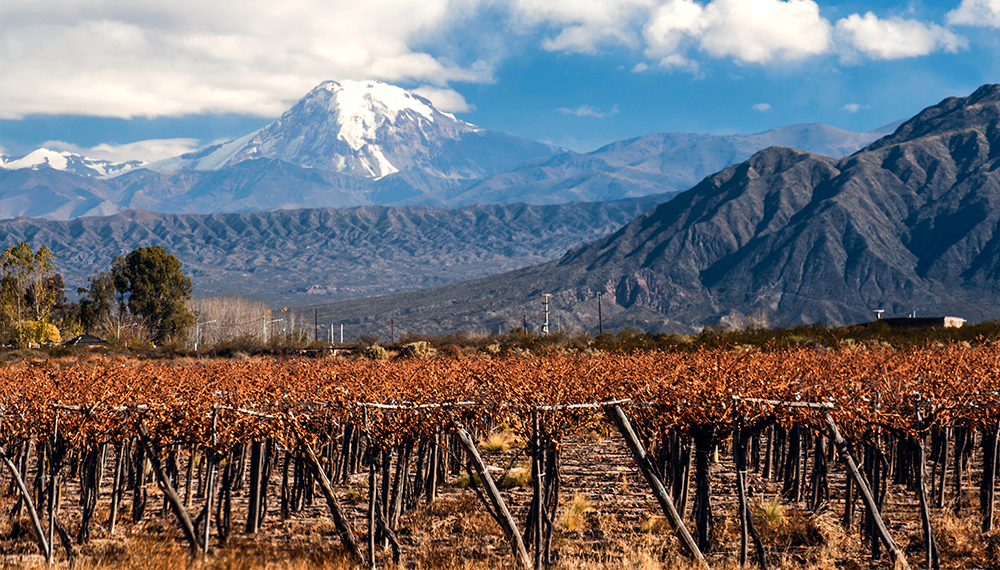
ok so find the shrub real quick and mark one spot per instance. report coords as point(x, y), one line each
point(418, 349)
point(375, 352)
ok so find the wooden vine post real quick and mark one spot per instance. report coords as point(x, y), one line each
point(53, 489)
point(43, 545)
point(931, 558)
point(617, 416)
point(210, 484)
point(538, 493)
point(373, 468)
point(987, 489)
point(175, 502)
point(340, 521)
point(866, 494)
point(747, 527)
point(503, 517)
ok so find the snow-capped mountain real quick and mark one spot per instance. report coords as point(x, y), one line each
point(370, 130)
point(68, 162)
point(367, 129)
point(355, 143)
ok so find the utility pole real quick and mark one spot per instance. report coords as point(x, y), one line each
point(600, 316)
point(267, 322)
point(545, 309)
point(197, 325)
point(316, 324)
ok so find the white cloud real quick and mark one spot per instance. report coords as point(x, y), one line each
point(588, 111)
point(854, 107)
point(447, 100)
point(757, 31)
point(894, 38)
point(677, 61)
point(762, 107)
point(640, 67)
point(154, 58)
point(983, 13)
point(584, 26)
point(149, 150)
point(750, 31)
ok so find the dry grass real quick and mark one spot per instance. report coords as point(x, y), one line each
point(500, 442)
point(961, 541)
point(574, 517)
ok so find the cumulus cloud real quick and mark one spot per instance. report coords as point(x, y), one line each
point(584, 27)
point(148, 150)
point(762, 107)
point(749, 31)
point(984, 13)
point(153, 58)
point(895, 38)
point(447, 100)
point(760, 30)
point(588, 111)
point(854, 107)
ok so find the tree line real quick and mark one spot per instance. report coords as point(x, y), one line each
point(142, 297)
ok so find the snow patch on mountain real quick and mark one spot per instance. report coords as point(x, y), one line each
point(68, 162)
point(210, 158)
point(362, 107)
point(367, 129)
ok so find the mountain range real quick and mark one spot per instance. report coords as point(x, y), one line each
point(909, 223)
point(292, 257)
point(361, 143)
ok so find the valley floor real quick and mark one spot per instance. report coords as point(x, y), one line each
point(607, 520)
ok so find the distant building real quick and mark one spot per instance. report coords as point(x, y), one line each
point(88, 341)
point(923, 322)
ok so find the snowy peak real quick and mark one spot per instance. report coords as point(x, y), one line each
point(362, 107)
point(68, 162)
point(367, 129)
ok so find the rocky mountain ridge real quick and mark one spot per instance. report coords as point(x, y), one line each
point(352, 143)
point(910, 223)
point(293, 257)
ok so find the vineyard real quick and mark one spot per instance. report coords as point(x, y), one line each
point(234, 447)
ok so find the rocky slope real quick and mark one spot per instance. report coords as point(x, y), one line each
point(300, 256)
point(650, 164)
point(911, 222)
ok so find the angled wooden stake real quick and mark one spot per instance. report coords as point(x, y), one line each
point(624, 427)
point(43, 545)
point(183, 520)
point(866, 493)
point(502, 515)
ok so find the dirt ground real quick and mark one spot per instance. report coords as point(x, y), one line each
point(608, 519)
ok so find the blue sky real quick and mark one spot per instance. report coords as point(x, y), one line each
point(149, 79)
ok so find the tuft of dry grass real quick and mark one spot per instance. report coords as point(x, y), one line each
point(770, 513)
point(961, 541)
point(574, 517)
point(500, 442)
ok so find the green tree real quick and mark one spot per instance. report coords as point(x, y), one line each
point(156, 288)
point(27, 290)
point(99, 301)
